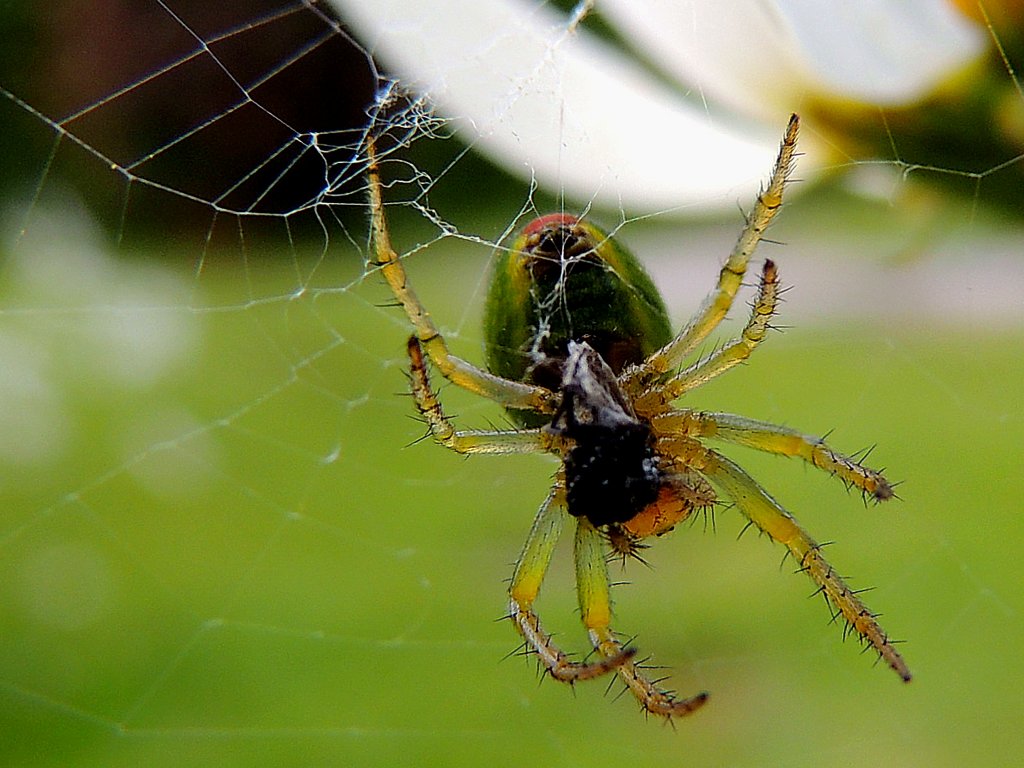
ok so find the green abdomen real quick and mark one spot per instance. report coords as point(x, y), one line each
point(564, 279)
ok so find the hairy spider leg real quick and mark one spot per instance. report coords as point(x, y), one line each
point(593, 591)
point(738, 350)
point(511, 394)
point(678, 433)
point(774, 438)
point(725, 357)
point(547, 526)
point(769, 516)
point(526, 582)
point(718, 302)
point(494, 441)
point(590, 557)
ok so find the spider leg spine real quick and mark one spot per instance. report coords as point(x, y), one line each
point(737, 351)
point(526, 582)
point(468, 441)
point(511, 394)
point(777, 439)
point(555, 661)
point(772, 519)
point(717, 304)
point(595, 610)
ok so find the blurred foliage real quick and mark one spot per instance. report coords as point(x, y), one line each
point(231, 551)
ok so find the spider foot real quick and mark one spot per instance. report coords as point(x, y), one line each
point(658, 701)
point(570, 671)
point(554, 660)
point(668, 706)
point(653, 700)
point(847, 606)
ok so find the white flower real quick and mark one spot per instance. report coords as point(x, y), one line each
point(550, 100)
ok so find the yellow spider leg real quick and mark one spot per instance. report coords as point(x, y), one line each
point(475, 440)
point(726, 357)
point(526, 582)
point(766, 513)
point(511, 394)
point(595, 609)
point(717, 304)
point(777, 439)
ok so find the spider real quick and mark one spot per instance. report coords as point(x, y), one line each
point(581, 355)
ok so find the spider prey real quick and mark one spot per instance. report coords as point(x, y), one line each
point(580, 352)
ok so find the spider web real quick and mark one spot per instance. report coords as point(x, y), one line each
point(220, 542)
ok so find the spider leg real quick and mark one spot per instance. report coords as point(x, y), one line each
point(773, 438)
point(476, 440)
point(766, 513)
point(595, 609)
point(724, 358)
point(511, 394)
point(718, 302)
point(526, 582)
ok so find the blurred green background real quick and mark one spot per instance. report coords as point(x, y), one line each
point(222, 542)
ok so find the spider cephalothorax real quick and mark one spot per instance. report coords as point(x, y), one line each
point(580, 353)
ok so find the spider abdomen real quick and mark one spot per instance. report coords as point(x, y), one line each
point(564, 280)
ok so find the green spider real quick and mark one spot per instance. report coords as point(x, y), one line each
point(580, 352)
